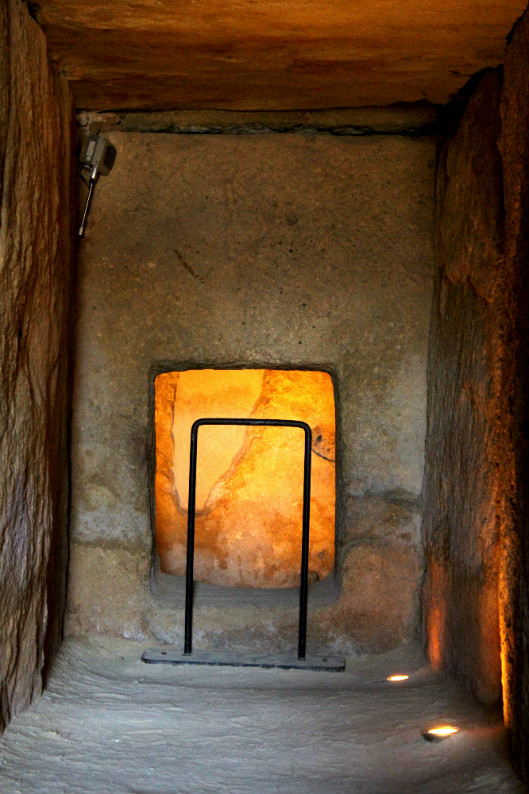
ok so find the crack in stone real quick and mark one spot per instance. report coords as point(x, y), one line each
point(188, 267)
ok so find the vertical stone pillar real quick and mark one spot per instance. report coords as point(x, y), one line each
point(35, 267)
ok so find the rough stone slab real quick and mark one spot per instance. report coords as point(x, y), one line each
point(273, 55)
point(301, 264)
point(332, 664)
point(467, 448)
point(35, 267)
point(514, 591)
point(308, 252)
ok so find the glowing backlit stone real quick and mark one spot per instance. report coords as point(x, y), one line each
point(249, 480)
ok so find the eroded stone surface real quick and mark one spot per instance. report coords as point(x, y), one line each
point(467, 442)
point(272, 55)
point(35, 254)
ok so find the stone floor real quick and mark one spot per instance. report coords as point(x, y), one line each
point(109, 724)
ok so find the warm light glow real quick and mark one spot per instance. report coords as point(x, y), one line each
point(441, 732)
point(393, 678)
point(444, 730)
point(436, 613)
point(249, 491)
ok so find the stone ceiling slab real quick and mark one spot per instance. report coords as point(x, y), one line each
point(273, 55)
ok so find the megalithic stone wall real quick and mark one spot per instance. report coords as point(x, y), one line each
point(35, 267)
point(464, 449)
point(476, 593)
point(514, 146)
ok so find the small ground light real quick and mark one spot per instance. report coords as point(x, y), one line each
point(399, 677)
point(439, 733)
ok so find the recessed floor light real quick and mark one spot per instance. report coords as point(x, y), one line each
point(394, 678)
point(439, 733)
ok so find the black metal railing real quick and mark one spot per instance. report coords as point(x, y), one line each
point(302, 634)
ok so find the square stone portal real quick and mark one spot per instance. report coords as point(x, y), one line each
point(249, 494)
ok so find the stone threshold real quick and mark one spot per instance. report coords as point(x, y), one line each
point(171, 590)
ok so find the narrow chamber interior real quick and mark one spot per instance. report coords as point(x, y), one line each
point(295, 247)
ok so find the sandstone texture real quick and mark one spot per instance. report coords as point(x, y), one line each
point(272, 55)
point(35, 266)
point(255, 251)
point(466, 447)
point(249, 480)
point(380, 562)
point(378, 607)
point(123, 574)
point(514, 146)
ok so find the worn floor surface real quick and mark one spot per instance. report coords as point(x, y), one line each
point(108, 723)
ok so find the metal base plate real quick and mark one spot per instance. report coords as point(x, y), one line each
point(335, 664)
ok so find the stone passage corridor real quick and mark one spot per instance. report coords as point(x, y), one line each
point(109, 724)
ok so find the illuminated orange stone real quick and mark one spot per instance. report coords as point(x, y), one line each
point(249, 495)
point(436, 618)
